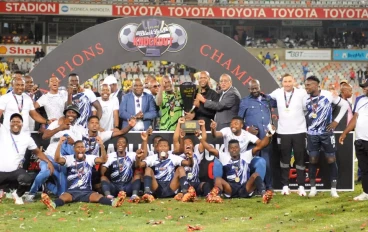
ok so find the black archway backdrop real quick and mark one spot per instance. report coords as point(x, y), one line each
point(190, 43)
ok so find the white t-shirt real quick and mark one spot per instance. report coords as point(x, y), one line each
point(10, 158)
point(361, 128)
point(244, 139)
point(291, 119)
point(108, 108)
point(75, 132)
point(54, 104)
point(10, 106)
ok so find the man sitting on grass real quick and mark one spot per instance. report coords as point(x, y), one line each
point(181, 145)
point(121, 170)
point(236, 170)
point(79, 172)
point(160, 177)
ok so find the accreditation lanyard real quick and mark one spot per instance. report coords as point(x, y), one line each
point(20, 108)
point(287, 102)
point(15, 144)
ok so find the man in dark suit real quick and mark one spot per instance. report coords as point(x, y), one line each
point(228, 105)
point(200, 112)
point(139, 105)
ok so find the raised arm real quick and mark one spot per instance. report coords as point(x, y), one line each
point(176, 137)
point(131, 124)
point(208, 147)
point(215, 134)
point(139, 163)
point(58, 158)
point(103, 158)
point(144, 136)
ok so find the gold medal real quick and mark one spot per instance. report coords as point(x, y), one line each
point(314, 115)
point(172, 113)
point(80, 182)
point(237, 179)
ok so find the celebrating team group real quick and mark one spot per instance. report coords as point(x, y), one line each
point(75, 167)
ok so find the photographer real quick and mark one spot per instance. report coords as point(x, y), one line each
point(359, 122)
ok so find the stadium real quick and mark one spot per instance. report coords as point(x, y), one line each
point(183, 115)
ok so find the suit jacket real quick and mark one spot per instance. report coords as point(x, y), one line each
point(226, 108)
point(127, 109)
point(207, 114)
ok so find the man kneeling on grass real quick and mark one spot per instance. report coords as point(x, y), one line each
point(160, 177)
point(79, 172)
point(237, 183)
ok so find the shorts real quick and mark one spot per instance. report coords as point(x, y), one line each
point(197, 187)
point(115, 188)
point(316, 142)
point(80, 195)
point(238, 190)
point(164, 190)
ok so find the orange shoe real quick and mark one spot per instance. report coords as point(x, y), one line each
point(45, 199)
point(190, 196)
point(148, 198)
point(179, 196)
point(267, 196)
point(213, 196)
point(119, 200)
point(134, 199)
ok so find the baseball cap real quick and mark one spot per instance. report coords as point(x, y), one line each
point(109, 80)
point(16, 115)
point(363, 85)
point(74, 108)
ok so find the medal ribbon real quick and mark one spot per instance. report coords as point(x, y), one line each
point(79, 172)
point(21, 106)
point(314, 106)
point(120, 165)
point(236, 169)
point(15, 144)
point(287, 102)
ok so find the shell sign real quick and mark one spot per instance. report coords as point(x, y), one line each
point(18, 50)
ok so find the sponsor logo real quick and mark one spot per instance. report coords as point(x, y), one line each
point(64, 8)
point(153, 37)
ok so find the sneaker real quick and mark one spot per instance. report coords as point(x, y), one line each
point(29, 198)
point(18, 200)
point(334, 193)
point(267, 196)
point(361, 197)
point(134, 199)
point(285, 190)
point(119, 200)
point(313, 192)
point(301, 191)
point(148, 198)
point(213, 196)
point(190, 196)
point(45, 199)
